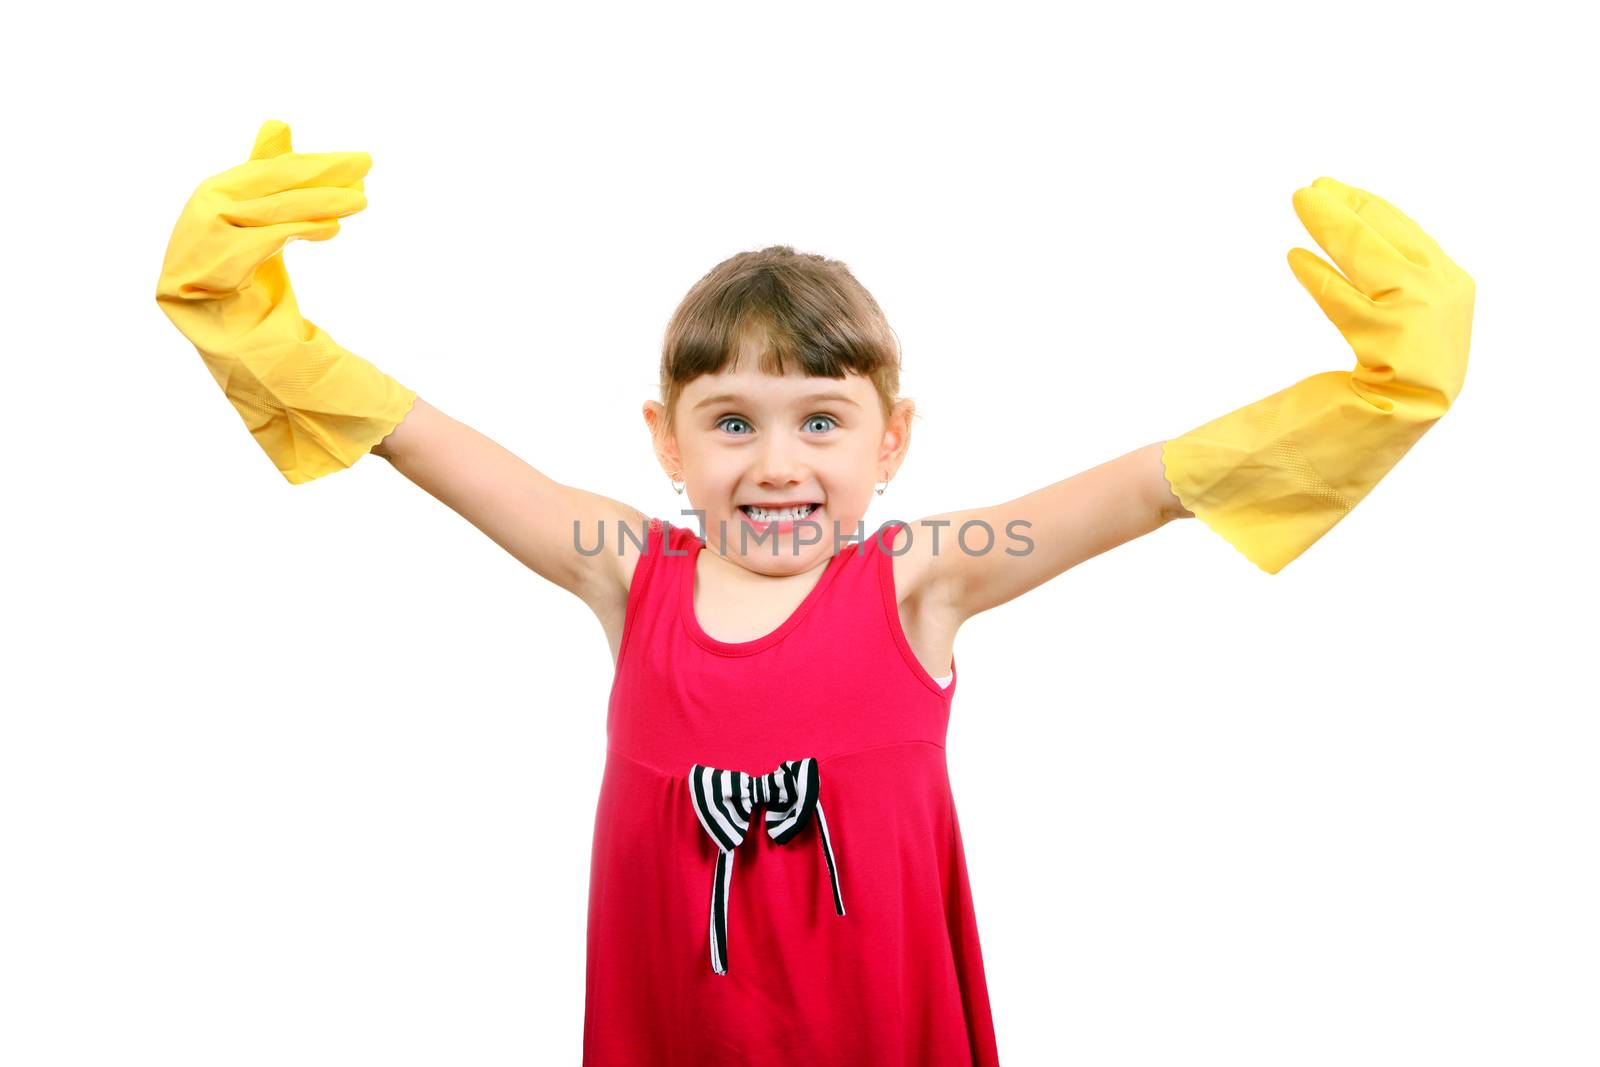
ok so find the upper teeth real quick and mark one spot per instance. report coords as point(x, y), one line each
point(781, 515)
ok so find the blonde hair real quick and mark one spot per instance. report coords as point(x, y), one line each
point(802, 310)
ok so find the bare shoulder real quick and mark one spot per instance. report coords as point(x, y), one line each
point(621, 532)
point(916, 549)
point(928, 617)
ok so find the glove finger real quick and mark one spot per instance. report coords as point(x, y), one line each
point(292, 170)
point(1369, 261)
point(261, 243)
point(271, 140)
point(1388, 220)
point(294, 205)
point(1346, 306)
point(1334, 183)
point(236, 263)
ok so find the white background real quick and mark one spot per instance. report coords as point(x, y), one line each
point(307, 774)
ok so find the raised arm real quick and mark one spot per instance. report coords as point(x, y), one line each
point(521, 510)
point(316, 408)
point(1274, 476)
point(1067, 522)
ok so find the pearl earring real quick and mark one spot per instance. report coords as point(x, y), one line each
point(677, 486)
point(881, 486)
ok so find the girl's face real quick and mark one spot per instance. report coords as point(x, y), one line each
point(747, 438)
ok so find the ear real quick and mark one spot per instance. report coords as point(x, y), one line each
point(896, 436)
point(666, 445)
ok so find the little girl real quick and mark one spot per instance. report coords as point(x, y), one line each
point(801, 660)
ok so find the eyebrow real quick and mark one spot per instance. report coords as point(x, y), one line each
point(734, 398)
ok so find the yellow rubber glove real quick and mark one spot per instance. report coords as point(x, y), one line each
point(1276, 475)
point(313, 407)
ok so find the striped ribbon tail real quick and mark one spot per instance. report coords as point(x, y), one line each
point(827, 854)
point(722, 880)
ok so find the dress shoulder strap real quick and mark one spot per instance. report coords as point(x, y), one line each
point(652, 588)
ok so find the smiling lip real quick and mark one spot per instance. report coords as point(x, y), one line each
point(782, 526)
point(779, 507)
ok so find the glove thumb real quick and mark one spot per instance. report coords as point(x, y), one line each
point(1345, 305)
point(271, 140)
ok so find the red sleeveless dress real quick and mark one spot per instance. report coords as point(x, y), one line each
point(777, 871)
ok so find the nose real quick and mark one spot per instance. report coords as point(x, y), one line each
point(776, 465)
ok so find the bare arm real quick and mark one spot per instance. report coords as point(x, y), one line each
point(1068, 522)
point(523, 511)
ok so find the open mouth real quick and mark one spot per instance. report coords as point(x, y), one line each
point(789, 514)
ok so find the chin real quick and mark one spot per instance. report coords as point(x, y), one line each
point(798, 539)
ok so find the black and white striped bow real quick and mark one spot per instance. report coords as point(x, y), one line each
point(725, 800)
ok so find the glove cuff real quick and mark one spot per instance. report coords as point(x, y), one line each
point(1274, 476)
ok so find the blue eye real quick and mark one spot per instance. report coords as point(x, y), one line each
point(723, 423)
